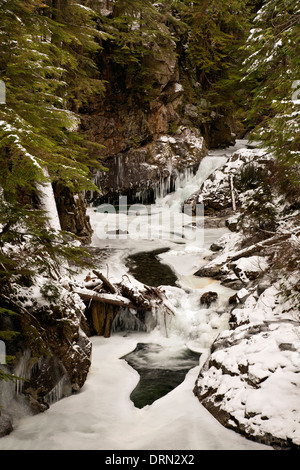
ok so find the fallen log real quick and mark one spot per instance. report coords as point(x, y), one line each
point(259, 246)
point(103, 316)
point(215, 270)
point(137, 298)
point(106, 302)
point(86, 294)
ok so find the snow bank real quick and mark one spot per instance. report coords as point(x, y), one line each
point(253, 373)
point(102, 417)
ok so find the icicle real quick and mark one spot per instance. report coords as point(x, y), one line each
point(23, 370)
point(232, 194)
point(127, 320)
point(58, 392)
point(2, 92)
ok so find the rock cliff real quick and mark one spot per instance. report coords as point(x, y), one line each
point(151, 129)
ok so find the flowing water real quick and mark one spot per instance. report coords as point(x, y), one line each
point(139, 392)
point(147, 268)
point(159, 372)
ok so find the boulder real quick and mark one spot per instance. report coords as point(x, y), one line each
point(213, 270)
point(51, 354)
point(208, 298)
point(250, 268)
point(232, 223)
point(6, 426)
point(249, 381)
point(233, 300)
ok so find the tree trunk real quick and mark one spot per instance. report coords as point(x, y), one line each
point(98, 317)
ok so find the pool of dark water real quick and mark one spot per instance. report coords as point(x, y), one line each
point(161, 369)
point(147, 268)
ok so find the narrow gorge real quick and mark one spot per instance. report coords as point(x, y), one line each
point(149, 227)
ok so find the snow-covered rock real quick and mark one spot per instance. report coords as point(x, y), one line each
point(251, 380)
point(51, 354)
point(218, 192)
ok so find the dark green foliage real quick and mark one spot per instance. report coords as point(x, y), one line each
point(5, 376)
point(259, 210)
point(272, 71)
point(137, 36)
point(46, 62)
point(29, 247)
point(217, 30)
point(251, 176)
point(205, 35)
point(287, 178)
point(259, 214)
point(48, 71)
point(287, 263)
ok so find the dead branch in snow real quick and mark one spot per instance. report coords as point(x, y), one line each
point(245, 253)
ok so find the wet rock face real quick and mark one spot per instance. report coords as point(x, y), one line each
point(218, 190)
point(143, 173)
point(6, 426)
point(127, 116)
point(219, 133)
point(51, 355)
point(147, 139)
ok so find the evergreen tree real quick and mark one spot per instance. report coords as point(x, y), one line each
point(272, 70)
point(217, 29)
point(47, 65)
point(137, 32)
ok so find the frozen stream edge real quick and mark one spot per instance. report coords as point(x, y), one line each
point(102, 417)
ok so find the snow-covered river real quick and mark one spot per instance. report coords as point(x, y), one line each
point(101, 416)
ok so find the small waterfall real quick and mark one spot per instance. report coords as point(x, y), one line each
point(128, 320)
point(191, 183)
point(174, 181)
point(164, 225)
point(169, 180)
point(192, 321)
